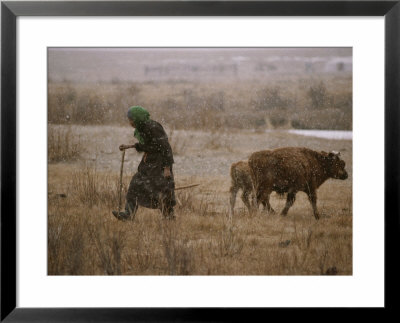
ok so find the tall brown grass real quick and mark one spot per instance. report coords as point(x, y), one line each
point(62, 144)
point(191, 105)
point(91, 187)
point(85, 239)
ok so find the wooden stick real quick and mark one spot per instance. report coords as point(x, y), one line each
point(120, 181)
point(183, 187)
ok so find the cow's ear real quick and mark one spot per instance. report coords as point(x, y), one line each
point(334, 153)
point(324, 154)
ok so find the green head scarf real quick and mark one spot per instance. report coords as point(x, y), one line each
point(138, 115)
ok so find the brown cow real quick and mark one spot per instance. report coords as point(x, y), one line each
point(241, 180)
point(293, 169)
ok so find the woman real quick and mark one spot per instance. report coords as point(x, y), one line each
point(153, 185)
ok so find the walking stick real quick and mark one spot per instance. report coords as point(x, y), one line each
point(183, 187)
point(120, 182)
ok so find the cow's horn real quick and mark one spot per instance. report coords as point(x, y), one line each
point(336, 153)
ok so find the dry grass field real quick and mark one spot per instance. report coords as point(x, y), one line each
point(85, 239)
point(323, 102)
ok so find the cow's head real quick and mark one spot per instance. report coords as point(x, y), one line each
point(336, 166)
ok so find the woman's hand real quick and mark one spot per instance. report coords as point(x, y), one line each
point(123, 147)
point(167, 172)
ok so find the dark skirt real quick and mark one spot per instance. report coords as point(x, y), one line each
point(152, 190)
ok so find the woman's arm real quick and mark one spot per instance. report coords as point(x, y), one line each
point(154, 138)
point(156, 141)
point(123, 147)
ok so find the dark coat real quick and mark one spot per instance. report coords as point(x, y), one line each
point(149, 187)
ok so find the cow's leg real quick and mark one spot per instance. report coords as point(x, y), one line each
point(264, 205)
point(312, 196)
point(253, 201)
point(264, 199)
point(245, 199)
point(291, 197)
point(232, 200)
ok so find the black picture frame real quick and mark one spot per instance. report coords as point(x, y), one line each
point(10, 11)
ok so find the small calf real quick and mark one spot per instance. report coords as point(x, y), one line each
point(241, 180)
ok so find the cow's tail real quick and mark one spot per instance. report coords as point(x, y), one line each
point(233, 172)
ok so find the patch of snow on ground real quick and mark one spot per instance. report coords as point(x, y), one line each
point(326, 134)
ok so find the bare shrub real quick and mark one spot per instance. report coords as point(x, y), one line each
point(169, 104)
point(216, 101)
point(90, 108)
point(186, 200)
point(62, 144)
point(75, 254)
point(85, 185)
point(55, 236)
point(91, 103)
point(270, 98)
point(177, 252)
point(245, 121)
point(65, 242)
point(229, 242)
point(343, 101)
point(61, 100)
point(204, 205)
point(206, 119)
point(92, 188)
point(144, 253)
point(109, 188)
point(133, 90)
point(304, 240)
point(334, 119)
point(322, 256)
point(109, 245)
point(200, 204)
point(319, 96)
